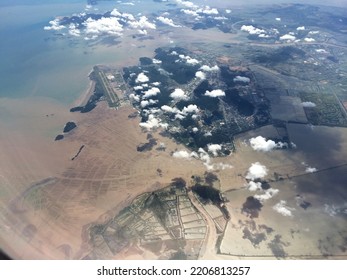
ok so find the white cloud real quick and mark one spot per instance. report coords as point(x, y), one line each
point(228, 11)
point(260, 143)
point(207, 68)
point(269, 193)
point(201, 75)
point(215, 93)
point(256, 171)
point(144, 103)
point(181, 154)
point(128, 16)
point(138, 87)
point(115, 13)
point(54, 25)
point(110, 26)
point(142, 23)
point(214, 148)
point(252, 30)
point(208, 11)
point(282, 208)
point(178, 94)
point(321, 51)
point(309, 40)
point(167, 21)
point(288, 37)
point(300, 28)
point(310, 169)
point(187, 4)
point(308, 104)
point(134, 97)
point(143, 31)
point(189, 12)
point(278, 19)
point(242, 79)
point(169, 109)
point(192, 61)
point(179, 116)
point(254, 186)
point(74, 31)
point(192, 108)
point(188, 59)
point(152, 122)
point(156, 61)
point(142, 78)
point(151, 92)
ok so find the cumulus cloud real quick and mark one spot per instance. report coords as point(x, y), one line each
point(156, 61)
point(54, 25)
point(152, 122)
point(115, 13)
point(187, 4)
point(252, 30)
point(269, 193)
point(181, 154)
point(288, 37)
point(308, 104)
point(208, 11)
point(74, 31)
point(188, 59)
point(144, 103)
point(167, 21)
point(242, 79)
point(143, 31)
point(168, 109)
point(201, 75)
point(214, 148)
point(309, 40)
point(142, 23)
point(310, 169)
point(282, 208)
point(151, 92)
point(300, 28)
point(191, 108)
point(256, 171)
point(142, 78)
point(207, 68)
point(110, 26)
point(189, 12)
point(134, 97)
point(215, 93)
point(260, 143)
point(254, 186)
point(192, 61)
point(178, 94)
point(278, 19)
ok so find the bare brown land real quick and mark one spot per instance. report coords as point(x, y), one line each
point(46, 219)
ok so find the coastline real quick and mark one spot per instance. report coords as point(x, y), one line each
point(84, 97)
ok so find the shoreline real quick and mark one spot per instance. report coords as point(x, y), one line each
point(84, 96)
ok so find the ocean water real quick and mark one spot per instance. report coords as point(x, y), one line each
point(35, 62)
